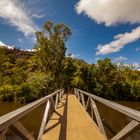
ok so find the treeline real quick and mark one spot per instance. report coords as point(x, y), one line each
point(26, 76)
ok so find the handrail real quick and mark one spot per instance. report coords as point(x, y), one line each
point(134, 114)
point(14, 116)
point(128, 129)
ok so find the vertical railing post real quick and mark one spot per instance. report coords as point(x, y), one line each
point(87, 103)
point(98, 118)
point(78, 95)
point(56, 100)
point(2, 134)
point(83, 100)
point(63, 92)
point(44, 120)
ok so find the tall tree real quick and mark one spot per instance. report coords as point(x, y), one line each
point(50, 47)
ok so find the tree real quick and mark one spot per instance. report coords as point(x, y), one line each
point(50, 47)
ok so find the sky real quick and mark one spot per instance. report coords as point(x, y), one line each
point(100, 28)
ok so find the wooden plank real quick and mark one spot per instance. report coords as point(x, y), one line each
point(60, 95)
point(83, 100)
point(56, 101)
point(62, 92)
point(71, 122)
point(56, 123)
point(88, 103)
point(98, 118)
point(78, 95)
point(13, 116)
point(132, 126)
point(91, 112)
point(52, 107)
point(2, 134)
point(44, 120)
point(134, 114)
point(21, 131)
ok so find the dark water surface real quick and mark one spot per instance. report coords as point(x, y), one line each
point(31, 121)
point(113, 120)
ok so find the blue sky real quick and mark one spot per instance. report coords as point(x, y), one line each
point(94, 24)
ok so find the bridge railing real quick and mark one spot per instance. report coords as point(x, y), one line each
point(12, 119)
point(90, 102)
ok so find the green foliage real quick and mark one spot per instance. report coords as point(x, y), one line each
point(9, 92)
point(27, 76)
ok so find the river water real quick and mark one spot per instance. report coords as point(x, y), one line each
point(113, 121)
point(31, 121)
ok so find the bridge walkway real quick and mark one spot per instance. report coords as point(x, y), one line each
point(71, 122)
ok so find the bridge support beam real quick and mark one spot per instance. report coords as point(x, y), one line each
point(128, 129)
point(56, 101)
point(87, 103)
point(83, 101)
point(2, 134)
point(21, 131)
point(44, 120)
point(98, 118)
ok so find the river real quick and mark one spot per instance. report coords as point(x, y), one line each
point(113, 120)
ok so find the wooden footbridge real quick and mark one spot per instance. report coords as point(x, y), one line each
point(69, 117)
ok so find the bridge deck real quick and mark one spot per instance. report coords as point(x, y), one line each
point(71, 122)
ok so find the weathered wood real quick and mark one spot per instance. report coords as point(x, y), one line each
point(91, 112)
point(60, 95)
point(56, 101)
point(132, 126)
point(14, 116)
point(2, 134)
point(71, 122)
point(78, 95)
point(21, 131)
point(98, 118)
point(52, 103)
point(44, 120)
point(83, 100)
point(134, 114)
point(88, 103)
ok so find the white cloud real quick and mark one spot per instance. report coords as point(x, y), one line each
point(5, 45)
point(120, 59)
point(120, 41)
point(136, 65)
point(110, 12)
point(37, 16)
point(14, 12)
point(2, 44)
point(11, 47)
point(72, 55)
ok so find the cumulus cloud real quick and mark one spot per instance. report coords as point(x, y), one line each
point(5, 45)
point(120, 59)
point(37, 16)
point(120, 41)
point(72, 55)
point(14, 12)
point(136, 65)
point(110, 12)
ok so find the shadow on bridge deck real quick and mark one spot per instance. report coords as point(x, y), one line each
point(71, 122)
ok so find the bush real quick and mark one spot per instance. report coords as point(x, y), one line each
point(8, 92)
